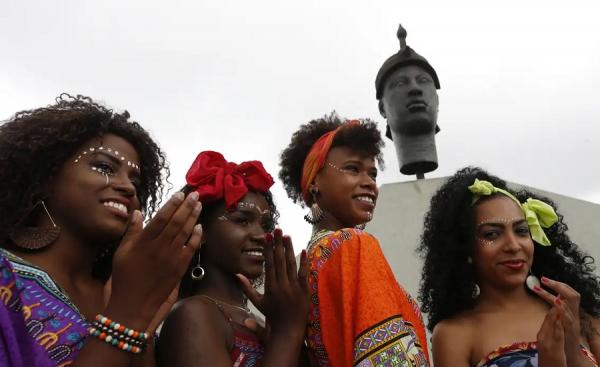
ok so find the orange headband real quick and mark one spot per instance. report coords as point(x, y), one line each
point(316, 157)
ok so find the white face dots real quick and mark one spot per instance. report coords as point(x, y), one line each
point(500, 220)
point(109, 151)
point(241, 206)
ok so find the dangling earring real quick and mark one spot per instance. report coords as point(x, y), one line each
point(197, 272)
point(476, 291)
point(35, 238)
point(532, 281)
point(316, 213)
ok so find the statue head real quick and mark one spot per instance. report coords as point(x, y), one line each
point(406, 87)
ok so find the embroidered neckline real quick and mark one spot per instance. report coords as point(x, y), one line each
point(31, 271)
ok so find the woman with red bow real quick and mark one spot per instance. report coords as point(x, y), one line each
point(239, 247)
point(359, 315)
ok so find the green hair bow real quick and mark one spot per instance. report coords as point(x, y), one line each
point(538, 214)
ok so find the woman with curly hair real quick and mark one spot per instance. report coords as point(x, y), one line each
point(484, 248)
point(359, 315)
point(82, 282)
point(207, 327)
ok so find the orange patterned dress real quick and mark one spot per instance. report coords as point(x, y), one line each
point(359, 314)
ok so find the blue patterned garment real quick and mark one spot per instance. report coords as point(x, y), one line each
point(523, 354)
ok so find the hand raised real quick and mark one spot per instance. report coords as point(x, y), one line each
point(150, 261)
point(285, 302)
point(567, 302)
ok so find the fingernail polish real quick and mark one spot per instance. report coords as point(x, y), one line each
point(198, 228)
point(545, 280)
point(269, 237)
point(558, 301)
point(193, 196)
point(537, 288)
point(278, 232)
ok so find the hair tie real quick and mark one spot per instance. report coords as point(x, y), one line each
point(315, 159)
point(213, 178)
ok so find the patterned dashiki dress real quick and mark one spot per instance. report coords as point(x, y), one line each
point(359, 314)
point(39, 326)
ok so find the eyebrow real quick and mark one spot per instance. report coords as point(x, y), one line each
point(501, 224)
point(110, 156)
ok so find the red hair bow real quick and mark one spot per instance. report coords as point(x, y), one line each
point(214, 178)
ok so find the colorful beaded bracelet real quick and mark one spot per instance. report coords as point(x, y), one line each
point(121, 329)
point(115, 342)
point(116, 334)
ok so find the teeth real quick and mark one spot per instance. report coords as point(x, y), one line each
point(254, 253)
point(118, 206)
point(365, 198)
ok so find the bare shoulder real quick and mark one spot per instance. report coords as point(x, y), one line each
point(194, 313)
point(451, 342)
point(193, 329)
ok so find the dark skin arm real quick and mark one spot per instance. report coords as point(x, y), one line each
point(165, 246)
point(194, 334)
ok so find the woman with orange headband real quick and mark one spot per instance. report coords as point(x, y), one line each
point(359, 315)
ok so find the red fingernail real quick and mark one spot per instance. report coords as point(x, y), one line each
point(537, 288)
point(303, 254)
point(269, 237)
point(558, 301)
point(545, 280)
point(278, 232)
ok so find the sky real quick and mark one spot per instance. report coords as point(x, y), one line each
point(518, 79)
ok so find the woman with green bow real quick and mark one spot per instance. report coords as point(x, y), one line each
point(486, 248)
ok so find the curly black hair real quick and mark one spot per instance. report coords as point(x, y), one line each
point(34, 144)
point(448, 239)
point(364, 137)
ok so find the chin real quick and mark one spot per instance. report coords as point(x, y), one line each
point(253, 273)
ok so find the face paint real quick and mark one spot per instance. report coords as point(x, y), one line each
point(112, 152)
point(247, 211)
point(105, 169)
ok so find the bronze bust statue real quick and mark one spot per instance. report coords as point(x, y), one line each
point(406, 87)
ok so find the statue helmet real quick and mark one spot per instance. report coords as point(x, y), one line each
point(405, 56)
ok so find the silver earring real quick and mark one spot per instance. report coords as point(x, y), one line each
point(197, 272)
point(316, 213)
point(476, 291)
point(532, 281)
